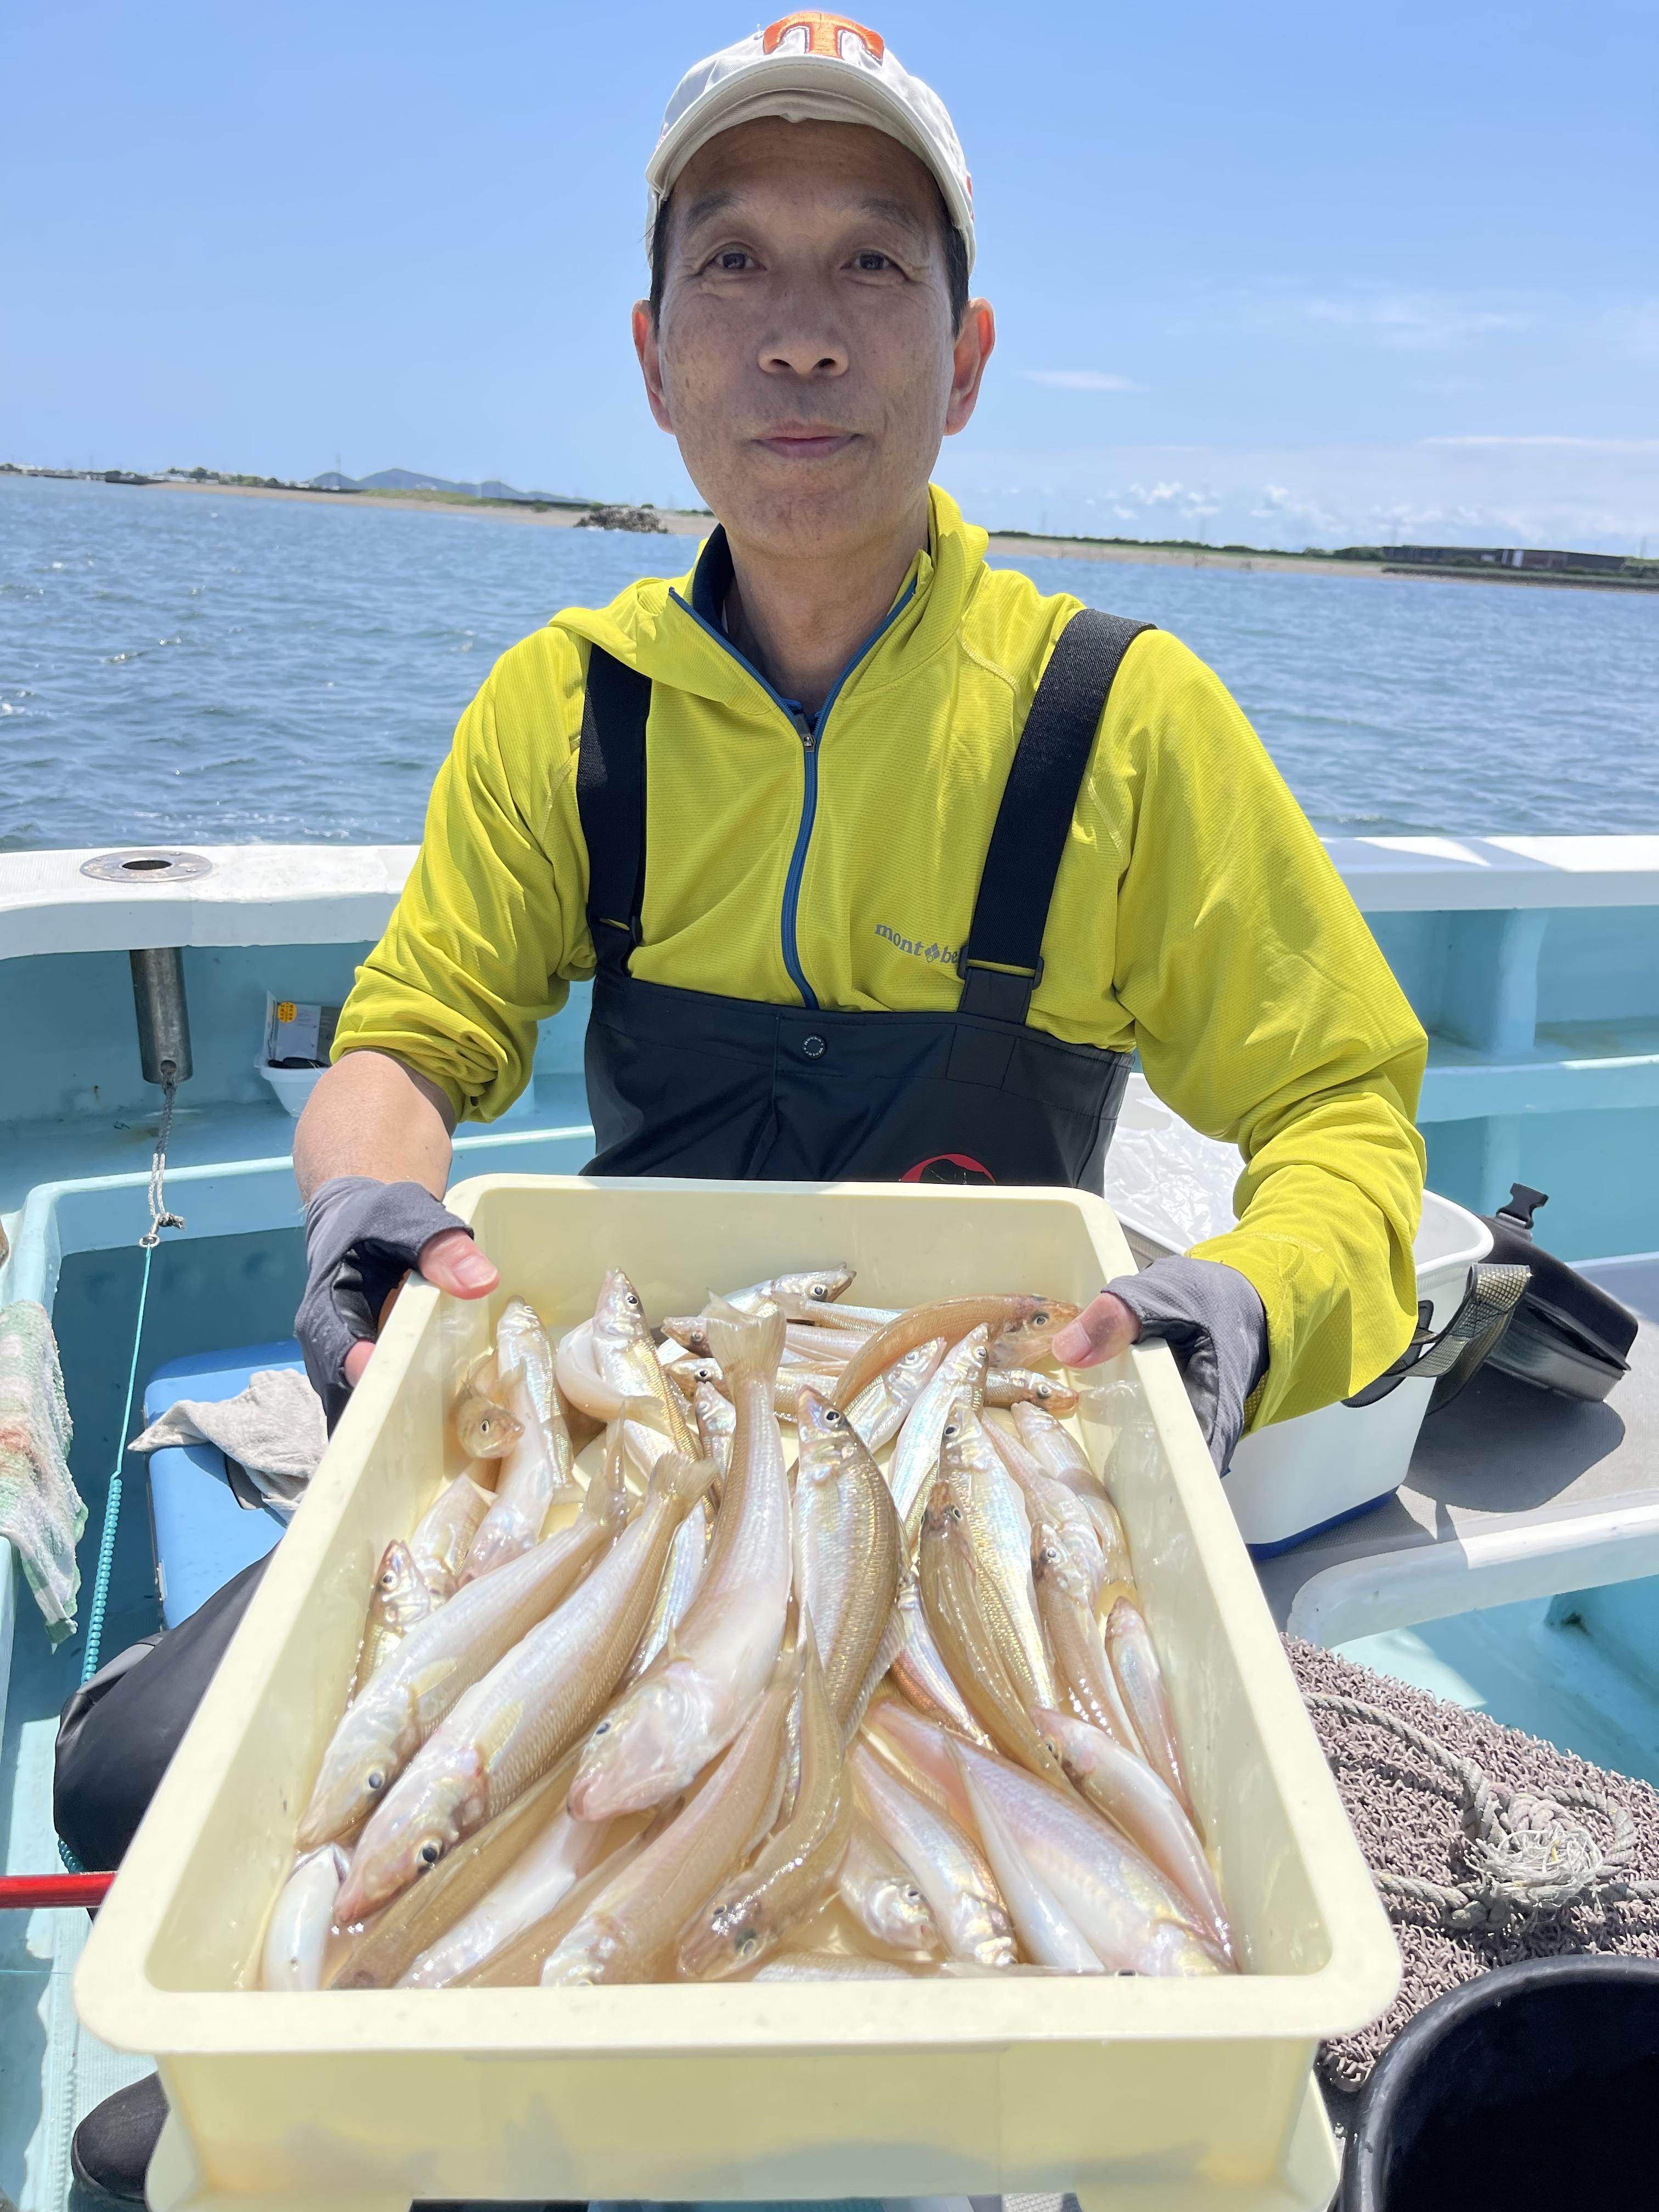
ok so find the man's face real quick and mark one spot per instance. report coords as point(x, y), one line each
point(805, 361)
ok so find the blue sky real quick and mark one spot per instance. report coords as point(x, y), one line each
point(1286, 273)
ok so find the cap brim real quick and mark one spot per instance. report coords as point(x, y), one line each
point(805, 88)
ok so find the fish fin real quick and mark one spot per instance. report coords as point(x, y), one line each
point(488, 1741)
point(684, 1480)
point(606, 1498)
point(430, 1678)
point(748, 1348)
point(650, 1413)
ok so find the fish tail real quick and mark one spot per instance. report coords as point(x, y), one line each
point(650, 1413)
point(682, 1481)
point(747, 1349)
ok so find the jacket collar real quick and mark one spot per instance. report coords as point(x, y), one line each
point(670, 629)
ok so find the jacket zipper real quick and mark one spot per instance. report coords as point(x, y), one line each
point(810, 731)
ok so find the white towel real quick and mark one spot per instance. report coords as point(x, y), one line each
point(274, 1430)
point(41, 1513)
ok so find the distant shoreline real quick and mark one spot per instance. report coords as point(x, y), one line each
point(679, 522)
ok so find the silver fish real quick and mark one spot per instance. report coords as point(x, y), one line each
point(516, 1723)
point(292, 1957)
point(1001, 1538)
point(1021, 1328)
point(922, 1673)
point(537, 1473)
point(848, 1550)
point(1134, 1663)
point(915, 1467)
point(882, 1894)
point(484, 1429)
point(683, 1713)
point(881, 1408)
point(1049, 1935)
point(1010, 1386)
point(750, 1910)
point(687, 1557)
point(627, 1362)
point(444, 1534)
point(948, 1868)
point(1128, 1793)
point(401, 1596)
point(628, 1932)
point(1067, 1607)
point(439, 1659)
point(565, 1851)
point(1054, 1446)
point(1049, 1500)
point(1127, 1913)
point(717, 1423)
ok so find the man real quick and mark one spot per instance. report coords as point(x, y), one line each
point(883, 862)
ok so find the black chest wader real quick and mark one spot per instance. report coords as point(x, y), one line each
point(684, 1082)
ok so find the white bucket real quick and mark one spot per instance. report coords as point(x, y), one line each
point(1170, 1189)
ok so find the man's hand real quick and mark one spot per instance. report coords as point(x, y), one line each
point(450, 1262)
point(1101, 1331)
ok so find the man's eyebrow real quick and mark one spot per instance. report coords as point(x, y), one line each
point(889, 208)
point(708, 204)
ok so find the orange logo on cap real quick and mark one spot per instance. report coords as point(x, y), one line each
point(824, 35)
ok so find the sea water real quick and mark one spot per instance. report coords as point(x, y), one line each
point(204, 667)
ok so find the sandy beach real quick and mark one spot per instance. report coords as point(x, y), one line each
point(681, 524)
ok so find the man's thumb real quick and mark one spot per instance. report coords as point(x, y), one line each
point(454, 1262)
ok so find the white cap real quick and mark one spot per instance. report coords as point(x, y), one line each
point(811, 67)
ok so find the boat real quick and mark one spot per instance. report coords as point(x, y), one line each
point(1516, 1570)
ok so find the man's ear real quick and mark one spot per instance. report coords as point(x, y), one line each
point(976, 343)
point(645, 346)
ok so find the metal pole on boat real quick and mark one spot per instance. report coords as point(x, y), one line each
point(158, 993)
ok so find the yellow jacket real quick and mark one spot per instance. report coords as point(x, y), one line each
point(1196, 918)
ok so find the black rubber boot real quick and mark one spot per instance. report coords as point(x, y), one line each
point(110, 2150)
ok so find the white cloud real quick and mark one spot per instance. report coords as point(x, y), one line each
point(1080, 379)
point(1597, 494)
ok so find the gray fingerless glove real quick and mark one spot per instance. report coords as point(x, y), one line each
point(362, 1238)
point(1212, 1319)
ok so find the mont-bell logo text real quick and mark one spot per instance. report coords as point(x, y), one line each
point(943, 954)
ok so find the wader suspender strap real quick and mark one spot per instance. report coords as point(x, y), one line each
point(611, 800)
point(1001, 963)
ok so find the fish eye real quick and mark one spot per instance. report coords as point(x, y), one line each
point(832, 1417)
point(604, 1728)
point(431, 1852)
point(912, 1895)
point(1039, 1321)
point(374, 1780)
point(632, 1299)
point(746, 1942)
point(820, 1292)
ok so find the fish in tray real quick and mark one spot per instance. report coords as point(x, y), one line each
point(627, 1934)
point(851, 1718)
point(692, 1702)
point(847, 1547)
point(537, 1471)
point(752, 1909)
point(520, 1719)
point(440, 1660)
point(1021, 1330)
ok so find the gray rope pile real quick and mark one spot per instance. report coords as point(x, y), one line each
point(1487, 1846)
point(1527, 1858)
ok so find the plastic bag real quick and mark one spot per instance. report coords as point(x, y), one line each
point(41, 1511)
point(1170, 1185)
